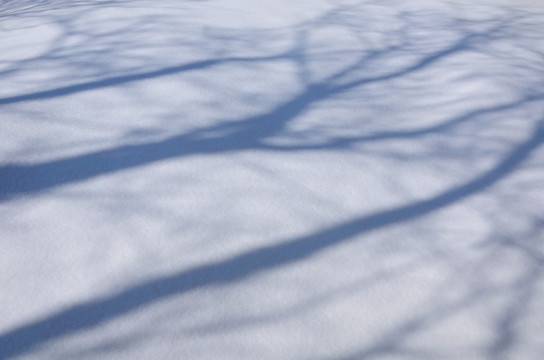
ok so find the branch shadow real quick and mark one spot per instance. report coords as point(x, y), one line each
point(95, 312)
point(520, 294)
point(245, 134)
point(251, 133)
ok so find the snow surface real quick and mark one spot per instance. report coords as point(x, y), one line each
point(236, 179)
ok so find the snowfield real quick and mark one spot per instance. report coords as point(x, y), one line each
point(236, 179)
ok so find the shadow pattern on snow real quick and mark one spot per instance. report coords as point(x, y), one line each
point(251, 133)
point(245, 134)
point(95, 312)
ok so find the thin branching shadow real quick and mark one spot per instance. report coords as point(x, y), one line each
point(245, 134)
point(253, 133)
point(95, 312)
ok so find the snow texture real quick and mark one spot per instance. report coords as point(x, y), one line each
point(235, 179)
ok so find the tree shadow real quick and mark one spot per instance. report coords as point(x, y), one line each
point(245, 134)
point(253, 133)
point(520, 294)
point(92, 313)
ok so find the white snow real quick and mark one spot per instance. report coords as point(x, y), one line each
point(235, 179)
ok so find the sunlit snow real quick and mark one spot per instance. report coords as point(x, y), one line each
point(235, 179)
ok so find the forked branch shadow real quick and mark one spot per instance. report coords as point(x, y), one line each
point(89, 314)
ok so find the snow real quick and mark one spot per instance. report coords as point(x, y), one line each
point(324, 179)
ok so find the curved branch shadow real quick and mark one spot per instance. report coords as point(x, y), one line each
point(245, 134)
point(92, 313)
point(124, 79)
